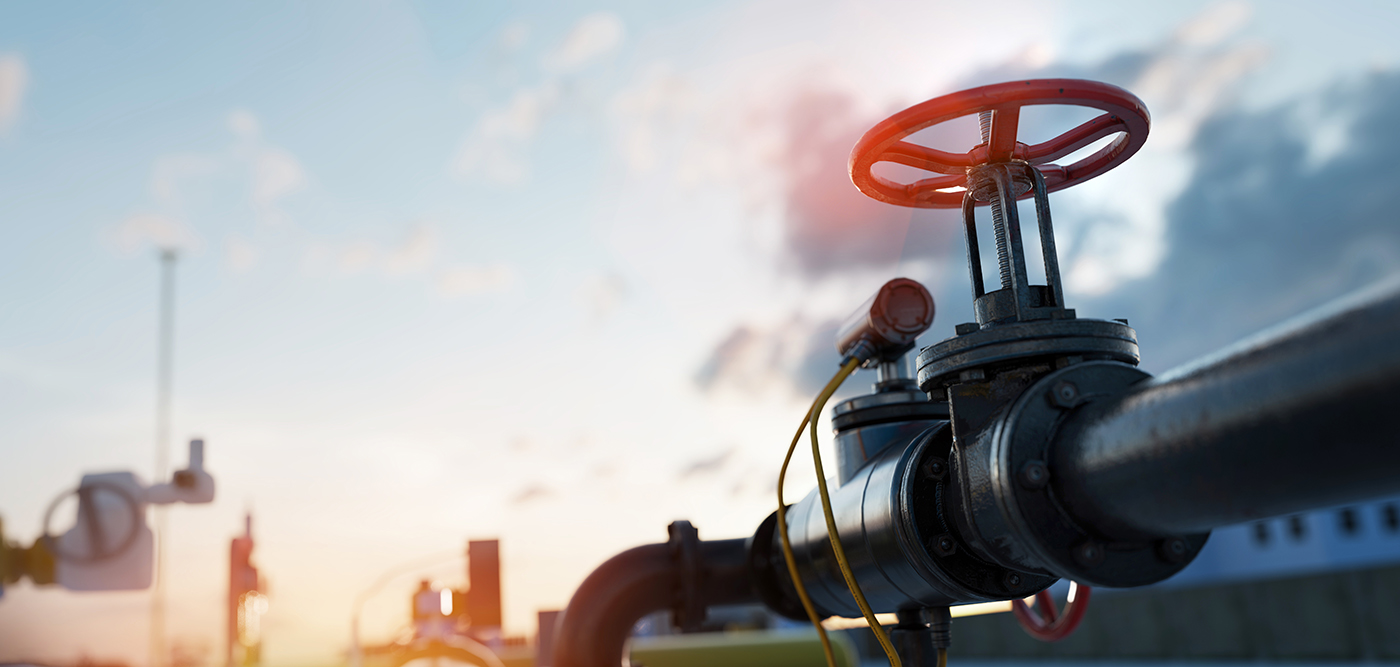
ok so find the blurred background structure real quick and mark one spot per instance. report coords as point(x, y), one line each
point(561, 274)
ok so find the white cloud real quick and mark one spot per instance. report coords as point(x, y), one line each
point(357, 257)
point(1215, 24)
point(244, 124)
point(273, 171)
point(601, 295)
point(416, 253)
point(498, 145)
point(148, 229)
point(513, 37)
point(240, 255)
point(593, 36)
point(14, 78)
point(470, 280)
point(171, 173)
point(650, 112)
point(276, 174)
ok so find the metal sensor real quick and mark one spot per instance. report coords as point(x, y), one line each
point(886, 325)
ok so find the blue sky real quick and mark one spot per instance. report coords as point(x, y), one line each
point(550, 272)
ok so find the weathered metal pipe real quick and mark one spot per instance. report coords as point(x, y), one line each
point(1300, 417)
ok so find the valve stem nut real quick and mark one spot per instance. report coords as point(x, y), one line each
point(944, 545)
point(1034, 475)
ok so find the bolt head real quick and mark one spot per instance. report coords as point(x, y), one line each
point(943, 545)
point(974, 375)
point(1089, 554)
point(1173, 549)
point(1065, 394)
point(1012, 580)
point(1034, 475)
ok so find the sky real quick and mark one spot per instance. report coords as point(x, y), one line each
point(560, 274)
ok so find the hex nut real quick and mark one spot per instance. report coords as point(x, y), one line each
point(935, 468)
point(944, 545)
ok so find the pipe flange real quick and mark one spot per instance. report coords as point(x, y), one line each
point(1032, 508)
point(927, 483)
point(1016, 343)
point(684, 542)
point(885, 407)
point(765, 563)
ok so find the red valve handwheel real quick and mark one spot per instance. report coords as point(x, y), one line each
point(1124, 113)
point(1044, 623)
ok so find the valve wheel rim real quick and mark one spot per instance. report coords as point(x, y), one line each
point(1124, 114)
point(105, 548)
point(1047, 625)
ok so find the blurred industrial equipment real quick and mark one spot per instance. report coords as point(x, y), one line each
point(246, 603)
point(457, 625)
point(109, 547)
point(1030, 448)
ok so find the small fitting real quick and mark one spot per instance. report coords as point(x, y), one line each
point(935, 469)
point(1034, 475)
point(1065, 394)
point(943, 545)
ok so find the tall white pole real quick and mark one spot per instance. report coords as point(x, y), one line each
point(165, 373)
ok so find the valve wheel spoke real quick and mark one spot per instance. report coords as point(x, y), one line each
point(1124, 115)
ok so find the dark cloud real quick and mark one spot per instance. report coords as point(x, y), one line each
point(1263, 232)
point(799, 355)
point(532, 494)
point(705, 466)
point(829, 226)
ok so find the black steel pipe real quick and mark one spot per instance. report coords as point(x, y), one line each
point(1300, 417)
point(593, 630)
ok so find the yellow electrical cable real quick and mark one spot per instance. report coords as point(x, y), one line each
point(840, 552)
point(943, 657)
point(792, 560)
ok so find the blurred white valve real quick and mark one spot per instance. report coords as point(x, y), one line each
point(110, 547)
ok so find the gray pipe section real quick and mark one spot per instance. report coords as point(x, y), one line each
point(1302, 416)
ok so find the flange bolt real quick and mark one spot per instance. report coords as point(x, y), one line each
point(1088, 554)
point(943, 545)
point(1035, 475)
point(1172, 549)
point(1065, 394)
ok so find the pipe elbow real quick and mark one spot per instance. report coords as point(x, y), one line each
point(684, 575)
